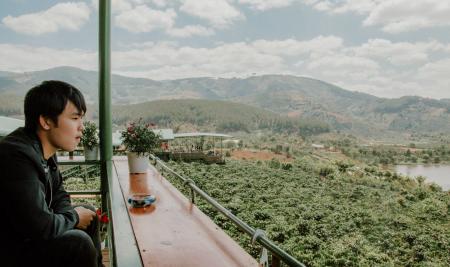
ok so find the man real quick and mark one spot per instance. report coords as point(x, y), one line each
point(38, 223)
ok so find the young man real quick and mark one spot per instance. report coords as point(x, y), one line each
point(38, 223)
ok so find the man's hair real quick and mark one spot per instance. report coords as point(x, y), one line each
point(49, 99)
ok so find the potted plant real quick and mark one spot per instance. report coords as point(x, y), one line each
point(89, 140)
point(140, 141)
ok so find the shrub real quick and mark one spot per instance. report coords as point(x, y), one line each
point(325, 171)
point(343, 166)
point(89, 139)
point(286, 166)
point(274, 163)
point(138, 137)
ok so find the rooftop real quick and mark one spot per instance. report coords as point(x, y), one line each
point(183, 135)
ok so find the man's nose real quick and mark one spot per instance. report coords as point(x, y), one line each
point(81, 126)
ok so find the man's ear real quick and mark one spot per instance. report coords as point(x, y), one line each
point(44, 122)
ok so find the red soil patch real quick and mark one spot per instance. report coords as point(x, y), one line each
point(258, 155)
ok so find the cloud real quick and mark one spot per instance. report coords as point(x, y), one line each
point(190, 30)
point(341, 64)
point(393, 16)
point(138, 17)
point(161, 3)
point(384, 68)
point(403, 15)
point(21, 58)
point(119, 6)
point(292, 47)
point(435, 74)
point(144, 19)
point(266, 4)
point(62, 16)
point(344, 6)
point(400, 53)
point(219, 13)
point(169, 61)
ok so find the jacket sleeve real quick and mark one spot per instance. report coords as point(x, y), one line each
point(61, 203)
point(25, 206)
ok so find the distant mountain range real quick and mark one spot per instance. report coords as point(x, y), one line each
point(344, 110)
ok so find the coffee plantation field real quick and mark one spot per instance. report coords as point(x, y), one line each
point(329, 213)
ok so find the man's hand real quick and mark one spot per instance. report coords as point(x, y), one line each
point(86, 216)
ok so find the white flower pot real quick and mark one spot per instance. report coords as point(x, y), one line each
point(91, 154)
point(137, 164)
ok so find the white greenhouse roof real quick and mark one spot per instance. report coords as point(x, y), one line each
point(182, 135)
point(116, 138)
point(165, 134)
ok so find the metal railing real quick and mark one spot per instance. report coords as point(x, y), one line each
point(70, 173)
point(256, 234)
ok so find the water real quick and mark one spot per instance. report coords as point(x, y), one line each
point(439, 174)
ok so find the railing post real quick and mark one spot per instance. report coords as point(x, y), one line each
point(263, 257)
point(104, 109)
point(104, 96)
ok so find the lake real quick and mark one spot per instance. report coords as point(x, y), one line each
point(439, 174)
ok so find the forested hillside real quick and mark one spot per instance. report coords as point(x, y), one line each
point(217, 116)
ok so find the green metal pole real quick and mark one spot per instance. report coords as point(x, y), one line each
point(104, 96)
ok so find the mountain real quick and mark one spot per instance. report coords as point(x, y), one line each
point(344, 110)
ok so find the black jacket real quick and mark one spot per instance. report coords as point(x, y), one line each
point(34, 205)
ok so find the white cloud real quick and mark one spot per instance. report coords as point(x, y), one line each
point(267, 4)
point(292, 47)
point(190, 30)
point(341, 63)
point(169, 61)
point(219, 13)
point(136, 16)
point(145, 19)
point(400, 53)
point(161, 3)
point(338, 7)
point(437, 70)
point(393, 16)
point(384, 68)
point(62, 16)
point(21, 58)
point(119, 6)
point(404, 15)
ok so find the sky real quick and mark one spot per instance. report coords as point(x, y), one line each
point(387, 48)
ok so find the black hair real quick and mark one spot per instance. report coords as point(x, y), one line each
point(49, 99)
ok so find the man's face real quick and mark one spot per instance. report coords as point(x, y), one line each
point(66, 135)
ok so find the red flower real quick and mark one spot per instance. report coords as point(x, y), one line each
point(102, 216)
